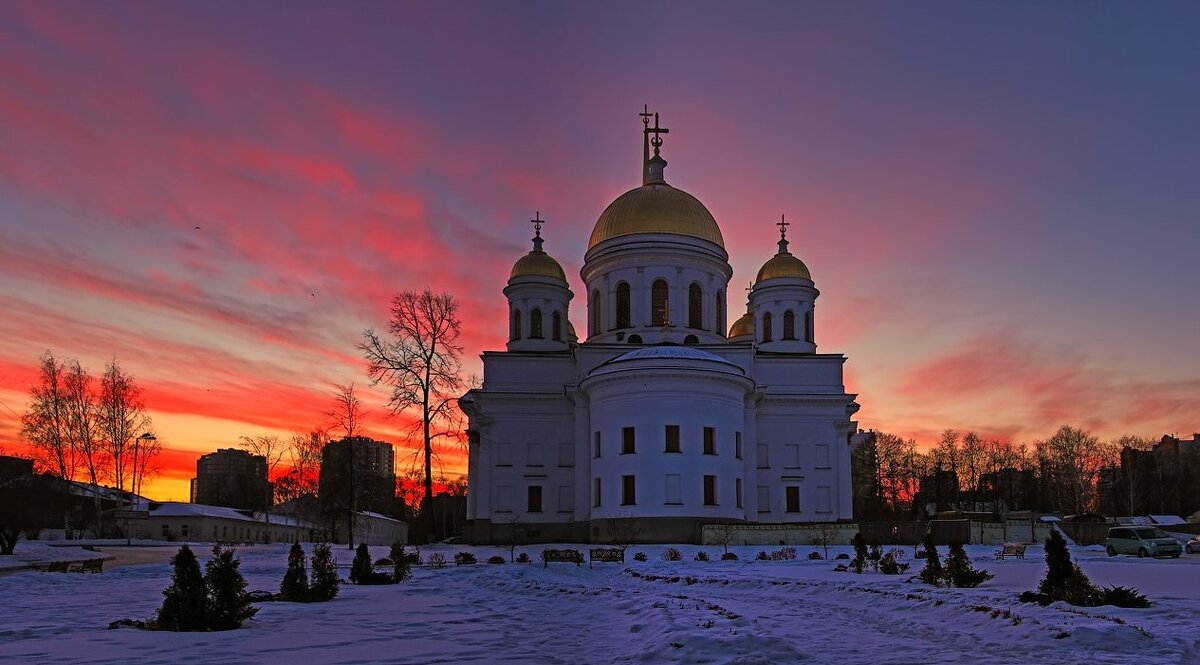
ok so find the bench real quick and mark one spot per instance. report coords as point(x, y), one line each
point(606, 554)
point(561, 556)
point(92, 566)
point(52, 567)
point(1016, 550)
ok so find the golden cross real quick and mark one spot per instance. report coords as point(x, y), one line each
point(782, 224)
point(537, 222)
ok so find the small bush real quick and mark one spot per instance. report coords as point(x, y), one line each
point(524, 558)
point(437, 560)
point(295, 581)
point(401, 563)
point(932, 572)
point(860, 554)
point(228, 606)
point(814, 556)
point(185, 601)
point(464, 558)
point(495, 559)
point(360, 568)
point(959, 572)
point(762, 556)
point(729, 556)
point(325, 581)
point(1124, 597)
point(639, 556)
point(672, 554)
point(843, 555)
point(891, 563)
point(701, 556)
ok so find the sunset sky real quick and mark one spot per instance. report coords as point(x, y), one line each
point(998, 201)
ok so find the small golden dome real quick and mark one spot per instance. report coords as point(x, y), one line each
point(571, 332)
point(783, 265)
point(537, 264)
point(656, 208)
point(743, 326)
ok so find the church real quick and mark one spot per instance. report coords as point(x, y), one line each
point(665, 417)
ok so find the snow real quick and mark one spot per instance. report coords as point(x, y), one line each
point(745, 612)
point(29, 553)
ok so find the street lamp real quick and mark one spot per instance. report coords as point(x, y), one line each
point(137, 444)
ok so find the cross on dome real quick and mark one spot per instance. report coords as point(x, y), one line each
point(537, 222)
point(652, 169)
point(783, 242)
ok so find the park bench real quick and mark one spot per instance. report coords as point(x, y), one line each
point(606, 554)
point(561, 556)
point(1016, 550)
point(53, 567)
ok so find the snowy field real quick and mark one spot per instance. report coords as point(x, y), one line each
point(642, 612)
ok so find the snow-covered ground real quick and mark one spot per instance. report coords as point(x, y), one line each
point(644, 612)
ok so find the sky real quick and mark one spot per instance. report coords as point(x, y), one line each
point(997, 201)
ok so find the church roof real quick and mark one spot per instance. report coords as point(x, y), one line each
point(537, 263)
point(656, 208)
point(670, 352)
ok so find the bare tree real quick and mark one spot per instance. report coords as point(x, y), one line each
point(122, 414)
point(971, 457)
point(44, 425)
point(421, 362)
point(1070, 461)
point(723, 535)
point(625, 530)
point(272, 449)
point(304, 457)
point(826, 534)
point(83, 423)
point(347, 413)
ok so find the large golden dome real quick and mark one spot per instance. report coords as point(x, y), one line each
point(783, 265)
point(656, 208)
point(537, 263)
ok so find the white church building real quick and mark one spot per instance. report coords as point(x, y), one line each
point(659, 421)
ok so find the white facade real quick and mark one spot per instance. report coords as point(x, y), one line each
point(658, 420)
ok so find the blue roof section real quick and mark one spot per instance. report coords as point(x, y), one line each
point(668, 352)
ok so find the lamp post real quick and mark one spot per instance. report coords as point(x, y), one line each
point(147, 437)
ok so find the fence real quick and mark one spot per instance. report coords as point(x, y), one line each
point(886, 533)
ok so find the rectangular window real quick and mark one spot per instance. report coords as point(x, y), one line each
point(737, 445)
point(822, 455)
point(214, 532)
point(823, 500)
point(166, 530)
point(627, 441)
point(596, 446)
point(791, 456)
point(566, 454)
point(793, 499)
point(503, 454)
point(503, 498)
point(710, 441)
point(764, 499)
point(533, 454)
point(534, 504)
point(763, 462)
point(596, 493)
point(566, 498)
point(673, 496)
point(710, 490)
point(672, 438)
point(737, 492)
point(183, 531)
point(628, 491)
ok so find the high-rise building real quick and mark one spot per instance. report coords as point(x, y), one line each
point(232, 477)
point(367, 485)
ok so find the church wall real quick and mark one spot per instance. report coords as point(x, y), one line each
point(803, 446)
point(667, 484)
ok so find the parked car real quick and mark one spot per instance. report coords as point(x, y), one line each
point(1142, 541)
point(1193, 546)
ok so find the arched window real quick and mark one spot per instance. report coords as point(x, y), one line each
point(516, 325)
point(623, 305)
point(766, 327)
point(695, 304)
point(535, 324)
point(556, 327)
point(808, 327)
point(691, 339)
point(659, 306)
point(634, 339)
point(789, 324)
point(719, 325)
point(596, 312)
